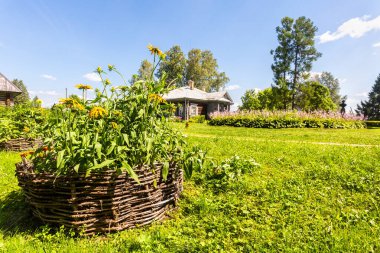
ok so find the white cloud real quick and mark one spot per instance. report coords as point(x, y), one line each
point(92, 77)
point(50, 77)
point(376, 44)
point(232, 87)
point(361, 94)
point(355, 28)
point(44, 92)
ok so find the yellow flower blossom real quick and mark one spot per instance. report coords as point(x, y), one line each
point(83, 86)
point(24, 154)
point(39, 101)
point(71, 103)
point(156, 97)
point(26, 129)
point(114, 125)
point(99, 70)
point(155, 50)
point(97, 112)
point(111, 67)
point(107, 82)
point(117, 113)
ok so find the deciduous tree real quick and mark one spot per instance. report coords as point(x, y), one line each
point(202, 68)
point(173, 66)
point(22, 98)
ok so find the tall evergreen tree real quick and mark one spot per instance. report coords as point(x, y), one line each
point(173, 66)
point(371, 107)
point(295, 53)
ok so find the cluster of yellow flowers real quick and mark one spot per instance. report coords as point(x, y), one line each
point(83, 86)
point(97, 112)
point(156, 97)
point(24, 154)
point(71, 103)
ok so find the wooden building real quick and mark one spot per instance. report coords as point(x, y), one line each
point(7, 91)
point(191, 101)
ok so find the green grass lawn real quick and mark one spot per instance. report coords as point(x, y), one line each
point(315, 190)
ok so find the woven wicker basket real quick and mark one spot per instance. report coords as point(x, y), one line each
point(102, 202)
point(20, 144)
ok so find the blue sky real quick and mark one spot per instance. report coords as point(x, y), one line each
point(52, 45)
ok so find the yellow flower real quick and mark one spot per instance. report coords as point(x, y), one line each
point(97, 112)
point(117, 113)
point(24, 154)
point(111, 67)
point(71, 103)
point(156, 97)
point(67, 101)
point(114, 125)
point(83, 86)
point(99, 70)
point(154, 50)
point(107, 82)
point(26, 129)
point(39, 101)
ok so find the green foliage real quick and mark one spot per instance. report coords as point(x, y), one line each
point(22, 98)
point(144, 73)
point(371, 107)
point(123, 128)
point(21, 121)
point(202, 68)
point(332, 83)
point(315, 97)
point(294, 55)
point(316, 190)
point(285, 119)
point(372, 123)
point(197, 119)
point(227, 175)
point(173, 66)
point(259, 100)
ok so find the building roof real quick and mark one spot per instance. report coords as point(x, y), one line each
point(195, 94)
point(8, 86)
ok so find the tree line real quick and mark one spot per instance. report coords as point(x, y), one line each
point(199, 66)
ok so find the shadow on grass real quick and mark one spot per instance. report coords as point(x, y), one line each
point(16, 216)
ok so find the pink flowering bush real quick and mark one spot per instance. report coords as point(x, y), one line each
point(287, 119)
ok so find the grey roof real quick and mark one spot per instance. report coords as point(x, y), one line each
point(8, 86)
point(185, 92)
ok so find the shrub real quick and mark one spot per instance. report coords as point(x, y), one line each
point(197, 119)
point(372, 123)
point(286, 119)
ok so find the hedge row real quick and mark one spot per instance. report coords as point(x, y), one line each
point(283, 121)
point(372, 123)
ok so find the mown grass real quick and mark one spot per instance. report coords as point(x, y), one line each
point(316, 190)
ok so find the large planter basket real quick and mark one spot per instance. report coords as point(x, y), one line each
point(102, 202)
point(20, 144)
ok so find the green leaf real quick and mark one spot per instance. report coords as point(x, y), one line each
point(111, 148)
point(165, 170)
point(104, 164)
point(60, 159)
point(126, 139)
point(76, 168)
point(98, 149)
point(130, 171)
